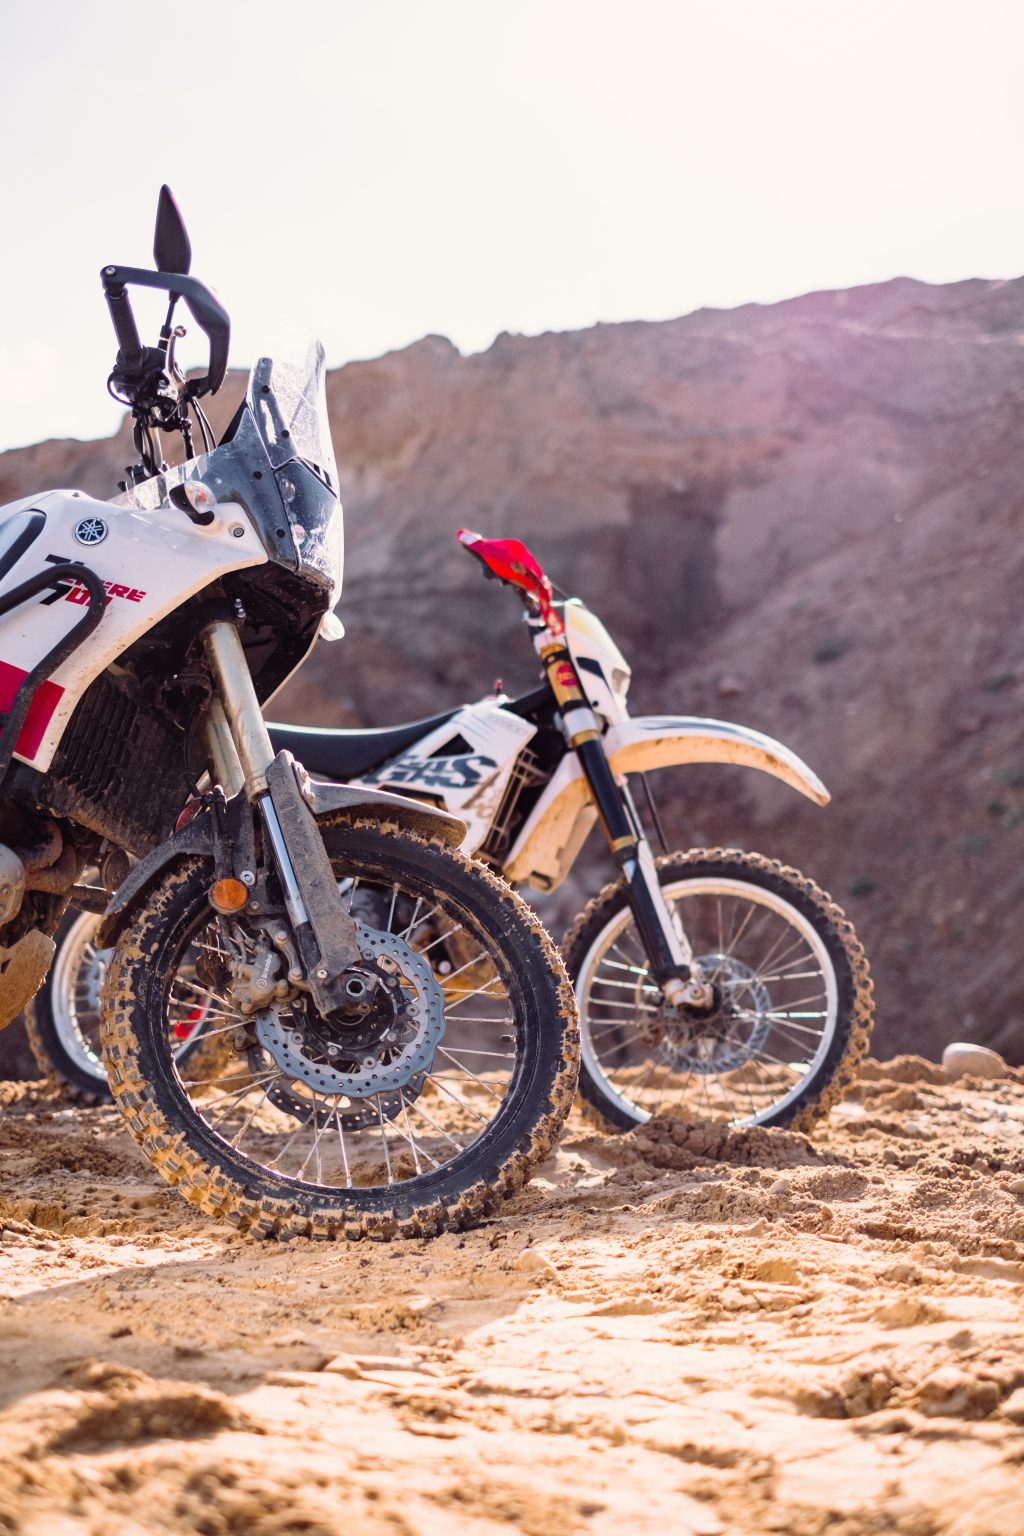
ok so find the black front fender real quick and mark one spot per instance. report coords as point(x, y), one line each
point(196, 838)
point(350, 800)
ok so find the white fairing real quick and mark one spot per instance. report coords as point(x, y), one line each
point(602, 669)
point(150, 563)
point(470, 784)
point(557, 827)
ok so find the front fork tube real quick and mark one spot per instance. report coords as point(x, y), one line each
point(242, 752)
point(668, 952)
point(229, 774)
point(247, 729)
point(240, 747)
point(666, 947)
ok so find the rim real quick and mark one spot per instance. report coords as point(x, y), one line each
point(777, 1018)
point(74, 985)
point(291, 1096)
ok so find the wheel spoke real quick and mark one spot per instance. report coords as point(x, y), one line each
point(431, 1078)
point(410, 1138)
point(417, 922)
point(596, 1002)
point(479, 1080)
point(237, 1138)
point(302, 1126)
point(774, 958)
point(384, 1139)
point(477, 992)
point(418, 1109)
point(341, 1143)
point(232, 1101)
point(608, 981)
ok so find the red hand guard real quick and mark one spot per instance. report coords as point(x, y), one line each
point(511, 561)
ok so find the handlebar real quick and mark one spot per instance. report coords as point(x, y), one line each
point(208, 313)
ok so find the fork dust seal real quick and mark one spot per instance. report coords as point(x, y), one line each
point(53, 574)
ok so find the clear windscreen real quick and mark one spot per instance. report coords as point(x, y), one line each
point(289, 404)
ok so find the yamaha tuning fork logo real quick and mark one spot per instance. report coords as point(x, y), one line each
point(91, 530)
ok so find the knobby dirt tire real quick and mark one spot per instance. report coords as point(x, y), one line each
point(61, 1067)
point(855, 1016)
point(258, 1200)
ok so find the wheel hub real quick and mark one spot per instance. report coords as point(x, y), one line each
point(721, 1038)
point(380, 1053)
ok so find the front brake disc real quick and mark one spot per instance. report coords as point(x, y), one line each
point(418, 999)
point(356, 1115)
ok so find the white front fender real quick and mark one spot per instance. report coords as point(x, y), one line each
point(659, 741)
point(556, 828)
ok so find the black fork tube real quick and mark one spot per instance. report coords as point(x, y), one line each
point(619, 826)
point(624, 842)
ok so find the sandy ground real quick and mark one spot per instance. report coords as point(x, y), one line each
point(681, 1330)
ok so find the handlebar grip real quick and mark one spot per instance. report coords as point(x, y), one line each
point(128, 341)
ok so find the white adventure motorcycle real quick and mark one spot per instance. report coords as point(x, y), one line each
point(715, 983)
point(319, 1017)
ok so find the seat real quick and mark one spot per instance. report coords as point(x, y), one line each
point(343, 755)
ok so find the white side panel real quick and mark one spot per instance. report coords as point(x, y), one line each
point(554, 831)
point(150, 562)
point(469, 785)
point(592, 647)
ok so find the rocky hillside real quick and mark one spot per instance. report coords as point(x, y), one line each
point(805, 517)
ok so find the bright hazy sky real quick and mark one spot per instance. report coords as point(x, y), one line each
point(374, 170)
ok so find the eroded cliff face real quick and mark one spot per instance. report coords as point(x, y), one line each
point(806, 517)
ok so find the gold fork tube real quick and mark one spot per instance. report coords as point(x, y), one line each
point(246, 726)
point(220, 745)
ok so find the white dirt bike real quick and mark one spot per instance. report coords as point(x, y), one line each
point(715, 983)
point(319, 1016)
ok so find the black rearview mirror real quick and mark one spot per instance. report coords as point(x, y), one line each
point(172, 249)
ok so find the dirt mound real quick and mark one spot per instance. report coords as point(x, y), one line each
point(902, 1069)
point(667, 1143)
point(119, 1406)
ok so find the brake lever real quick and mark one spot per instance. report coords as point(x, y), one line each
point(172, 367)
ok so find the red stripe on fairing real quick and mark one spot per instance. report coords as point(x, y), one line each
point(40, 712)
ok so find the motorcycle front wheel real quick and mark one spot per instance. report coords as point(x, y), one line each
point(424, 1120)
point(792, 1010)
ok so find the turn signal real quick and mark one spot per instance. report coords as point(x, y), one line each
point(227, 896)
point(199, 496)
